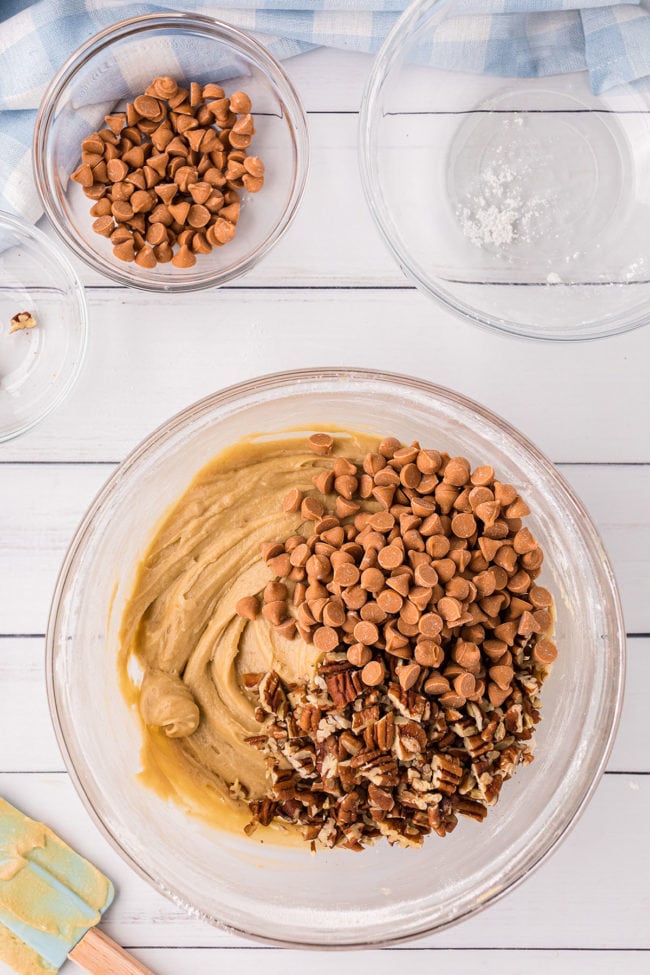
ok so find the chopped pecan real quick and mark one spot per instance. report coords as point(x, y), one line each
point(380, 798)
point(367, 716)
point(447, 773)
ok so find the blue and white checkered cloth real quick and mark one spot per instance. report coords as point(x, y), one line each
point(516, 38)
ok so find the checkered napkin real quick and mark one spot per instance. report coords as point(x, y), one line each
point(517, 38)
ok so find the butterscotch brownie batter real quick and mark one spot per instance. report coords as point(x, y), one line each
point(342, 640)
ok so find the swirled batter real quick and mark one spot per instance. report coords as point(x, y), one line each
point(181, 625)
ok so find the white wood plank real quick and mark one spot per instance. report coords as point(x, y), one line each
point(41, 505)
point(330, 81)
point(27, 742)
point(247, 961)
point(593, 893)
point(148, 357)
point(419, 961)
point(269, 961)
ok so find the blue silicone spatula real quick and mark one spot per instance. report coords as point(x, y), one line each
point(50, 901)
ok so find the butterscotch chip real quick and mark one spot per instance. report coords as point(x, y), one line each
point(163, 253)
point(540, 597)
point(355, 597)
point(179, 211)
point(359, 655)
point(293, 500)
point(463, 525)
point(334, 613)
point(366, 632)
point(449, 608)
point(146, 257)
point(346, 574)
point(519, 582)
point(429, 654)
point(311, 509)
point(326, 639)
point(467, 655)
point(373, 673)
point(400, 582)
point(248, 607)
point(104, 226)
point(372, 580)
point(488, 512)
point(346, 486)
point(408, 675)
point(498, 695)
point(430, 624)
point(388, 446)
point(102, 208)
point(456, 472)
point(240, 102)
point(390, 557)
point(425, 575)
point(125, 251)
point(428, 461)
point(524, 542)
point(279, 565)
point(286, 629)
point(300, 555)
point(389, 600)
point(275, 611)
point(482, 476)
point(451, 700)
point(146, 106)
point(518, 509)
point(83, 175)
point(436, 684)
point(164, 87)
point(544, 652)
point(410, 476)
point(184, 258)
point(198, 215)
point(254, 166)
point(464, 684)
point(274, 591)
point(117, 170)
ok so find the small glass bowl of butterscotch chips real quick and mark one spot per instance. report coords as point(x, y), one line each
point(171, 152)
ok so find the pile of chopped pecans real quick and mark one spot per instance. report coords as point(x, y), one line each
point(419, 591)
point(167, 172)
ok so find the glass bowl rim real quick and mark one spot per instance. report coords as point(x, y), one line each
point(368, 118)
point(529, 861)
point(78, 295)
point(220, 31)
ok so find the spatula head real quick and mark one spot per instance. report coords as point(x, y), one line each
point(49, 895)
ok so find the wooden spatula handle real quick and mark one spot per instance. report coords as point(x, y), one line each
point(100, 955)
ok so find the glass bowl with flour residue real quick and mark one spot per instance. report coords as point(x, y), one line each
point(521, 203)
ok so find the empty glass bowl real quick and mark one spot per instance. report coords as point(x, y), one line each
point(118, 64)
point(335, 898)
point(38, 366)
point(522, 203)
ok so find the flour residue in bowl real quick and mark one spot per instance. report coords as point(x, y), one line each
point(500, 207)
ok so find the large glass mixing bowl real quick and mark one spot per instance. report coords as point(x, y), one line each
point(335, 898)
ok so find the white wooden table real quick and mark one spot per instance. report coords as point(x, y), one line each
point(331, 295)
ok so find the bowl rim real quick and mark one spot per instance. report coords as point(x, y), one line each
point(78, 297)
point(195, 411)
point(368, 118)
point(222, 31)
